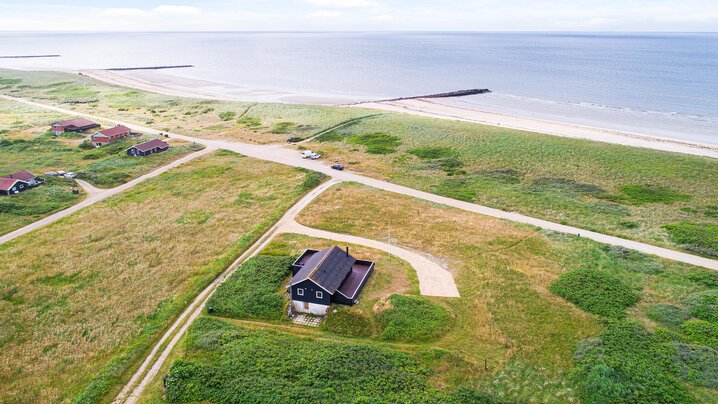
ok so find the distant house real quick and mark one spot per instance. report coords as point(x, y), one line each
point(110, 135)
point(18, 182)
point(73, 125)
point(147, 148)
point(321, 278)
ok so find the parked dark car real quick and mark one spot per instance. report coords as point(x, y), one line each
point(338, 166)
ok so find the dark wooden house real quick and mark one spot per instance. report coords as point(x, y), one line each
point(147, 148)
point(321, 278)
point(19, 182)
point(73, 125)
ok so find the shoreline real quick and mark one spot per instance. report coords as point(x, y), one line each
point(194, 88)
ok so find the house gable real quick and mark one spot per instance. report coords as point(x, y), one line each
point(307, 291)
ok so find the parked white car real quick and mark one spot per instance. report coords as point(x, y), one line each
point(70, 176)
point(61, 173)
point(51, 173)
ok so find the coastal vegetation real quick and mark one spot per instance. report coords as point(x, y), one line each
point(507, 275)
point(630, 192)
point(86, 297)
point(253, 291)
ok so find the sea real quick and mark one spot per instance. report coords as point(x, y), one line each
point(654, 83)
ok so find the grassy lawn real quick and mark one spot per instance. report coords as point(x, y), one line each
point(26, 144)
point(84, 298)
point(506, 275)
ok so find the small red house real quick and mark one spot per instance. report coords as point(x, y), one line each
point(110, 135)
point(73, 125)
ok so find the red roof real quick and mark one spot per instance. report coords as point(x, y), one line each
point(115, 131)
point(23, 175)
point(7, 183)
point(149, 145)
point(79, 122)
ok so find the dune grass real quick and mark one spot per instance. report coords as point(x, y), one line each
point(630, 192)
point(504, 272)
point(84, 298)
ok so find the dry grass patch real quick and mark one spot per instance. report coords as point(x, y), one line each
point(103, 283)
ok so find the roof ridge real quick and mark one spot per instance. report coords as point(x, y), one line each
point(309, 275)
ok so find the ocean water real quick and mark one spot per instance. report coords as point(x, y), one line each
point(661, 84)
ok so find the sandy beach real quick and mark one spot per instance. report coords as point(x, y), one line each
point(435, 108)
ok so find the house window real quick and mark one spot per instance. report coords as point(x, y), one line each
point(300, 292)
point(319, 295)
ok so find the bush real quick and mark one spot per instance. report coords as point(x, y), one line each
point(641, 194)
point(282, 128)
point(696, 364)
point(695, 236)
point(433, 152)
point(701, 332)
point(227, 115)
point(595, 291)
point(668, 314)
point(413, 318)
point(348, 321)
point(629, 366)
point(86, 145)
point(705, 278)
point(241, 365)
point(253, 290)
point(704, 305)
point(311, 180)
point(376, 143)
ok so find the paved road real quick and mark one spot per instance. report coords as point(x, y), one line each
point(95, 195)
point(289, 156)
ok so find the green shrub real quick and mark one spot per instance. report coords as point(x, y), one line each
point(250, 121)
point(413, 318)
point(699, 237)
point(227, 115)
point(253, 290)
point(704, 305)
point(433, 152)
point(311, 180)
point(668, 314)
point(629, 365)
point(86, 145)
point(376, 143)
point(240, 365)
point(696, 364)
point(595, 291)
point(701, 332)
point(705, 278)
point(666, 335)
point(642, 194)
point(348, 321)
point(282, 128)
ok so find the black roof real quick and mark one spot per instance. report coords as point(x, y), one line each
point(327, 268)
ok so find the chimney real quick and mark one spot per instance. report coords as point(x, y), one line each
point(347, 247)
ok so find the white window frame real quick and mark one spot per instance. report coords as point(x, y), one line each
point(300, 291)
point(319, 294)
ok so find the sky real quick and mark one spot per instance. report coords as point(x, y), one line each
point(360, 15)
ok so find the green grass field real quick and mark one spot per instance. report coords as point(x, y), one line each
point(84, 298)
